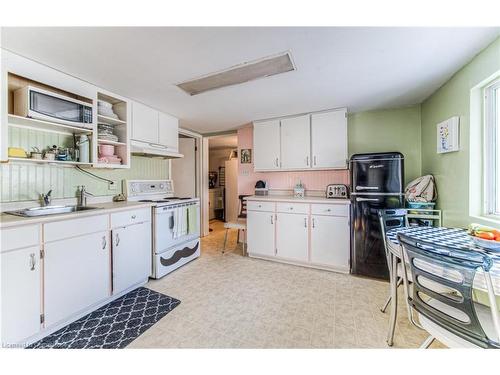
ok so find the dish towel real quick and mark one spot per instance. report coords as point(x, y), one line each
point(192, 213)
point(175, 229)
point(182, 221)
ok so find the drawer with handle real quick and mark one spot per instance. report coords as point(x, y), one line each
point(59, 230)
point(124, 218)
point(293, 208)
point(330, 209)
point(19, 237)
point(260, 206)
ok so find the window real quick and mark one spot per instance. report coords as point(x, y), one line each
point(492, 148)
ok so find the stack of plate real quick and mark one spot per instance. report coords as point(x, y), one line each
point(106, 109)
point(105, 132)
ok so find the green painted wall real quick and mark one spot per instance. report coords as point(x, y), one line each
point(452, 170)
point(388, 130)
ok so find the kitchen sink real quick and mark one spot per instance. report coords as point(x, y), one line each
point(50, 210)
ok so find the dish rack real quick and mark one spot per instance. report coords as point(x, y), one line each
point(423, 214)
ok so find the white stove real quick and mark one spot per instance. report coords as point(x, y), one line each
point(176, 223)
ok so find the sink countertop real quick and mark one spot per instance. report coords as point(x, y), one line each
point(7, 220)
point(290, 198)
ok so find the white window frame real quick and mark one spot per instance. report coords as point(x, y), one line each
point(491, 142)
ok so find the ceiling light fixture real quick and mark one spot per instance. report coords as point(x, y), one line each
point(246, 72)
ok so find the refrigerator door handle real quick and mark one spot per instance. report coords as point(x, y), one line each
point(366, 199)
point(366, 187)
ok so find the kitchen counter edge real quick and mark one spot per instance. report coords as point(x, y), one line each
point(285, 198)
point(7, 221)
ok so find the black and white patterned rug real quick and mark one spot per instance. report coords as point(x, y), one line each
point(114, 325)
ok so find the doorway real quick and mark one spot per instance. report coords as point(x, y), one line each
point(223, 203)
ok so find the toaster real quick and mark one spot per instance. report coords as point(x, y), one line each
point(337, 191)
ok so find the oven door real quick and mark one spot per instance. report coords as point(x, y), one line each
point(163, 229)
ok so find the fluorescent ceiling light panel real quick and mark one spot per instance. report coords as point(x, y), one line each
point(249, 71)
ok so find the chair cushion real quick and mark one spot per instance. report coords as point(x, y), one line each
point(235, 225)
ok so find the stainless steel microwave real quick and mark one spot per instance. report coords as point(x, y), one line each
point(41, 104)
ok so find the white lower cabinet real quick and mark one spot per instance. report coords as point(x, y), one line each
point(77, 274)
point(316, 234)
point(291, 236)
point(263, 224)
point(20, 294)
point(330, 241)
point(131, 255)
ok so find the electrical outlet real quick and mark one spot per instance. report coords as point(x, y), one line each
point(112, 185)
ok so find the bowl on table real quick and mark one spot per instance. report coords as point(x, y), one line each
point(487, 244)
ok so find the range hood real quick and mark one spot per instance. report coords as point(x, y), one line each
point(152, 150)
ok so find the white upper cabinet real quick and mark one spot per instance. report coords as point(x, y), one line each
point(155, 128)
point(296, 142)
point(312, 141)
point(266, 145)
point(168, 132)
point(144, 123)
point(329, 139)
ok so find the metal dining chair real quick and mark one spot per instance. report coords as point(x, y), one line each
point(390, 219)
point(240, 224)
point(442, 295)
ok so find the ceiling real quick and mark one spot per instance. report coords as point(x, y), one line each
point(223, 141)
point(360, 68)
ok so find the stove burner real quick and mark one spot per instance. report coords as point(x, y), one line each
point(163, 200)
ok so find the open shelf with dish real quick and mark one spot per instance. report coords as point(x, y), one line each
point(43, 161)
point(34, 136)
point(112, 136)
point(49, 126)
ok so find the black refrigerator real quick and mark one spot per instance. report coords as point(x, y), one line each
point(376, 183)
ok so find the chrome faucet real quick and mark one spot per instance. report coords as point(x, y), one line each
point(82, 196)
point(46, 198)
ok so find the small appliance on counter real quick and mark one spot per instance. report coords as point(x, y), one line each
point(261, 188)
point(337, 191)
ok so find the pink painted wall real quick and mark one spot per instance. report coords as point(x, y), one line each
point(313, 180)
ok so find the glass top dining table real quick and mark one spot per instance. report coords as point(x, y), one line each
point(450, 237)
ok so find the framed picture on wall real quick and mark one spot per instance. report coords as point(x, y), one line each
point(246, 156)
point(448, 135)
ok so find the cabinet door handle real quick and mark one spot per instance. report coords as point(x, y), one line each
point(313, 223)
point(133, 217)
point(272, 221)
point(276, 162)
point(32, 262)
point(307, 161)
point(117, 240)
point(314, 161)
point(305, 222)
point(104, 242)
